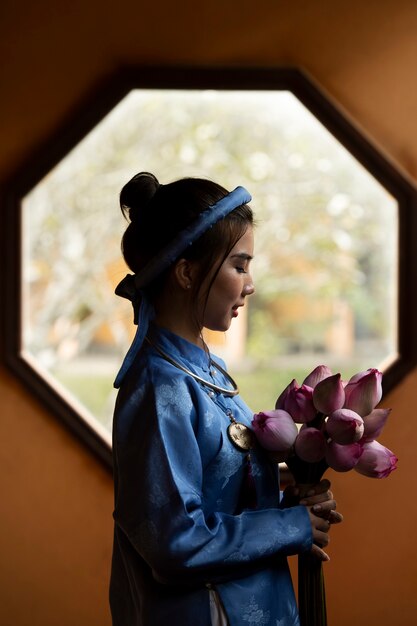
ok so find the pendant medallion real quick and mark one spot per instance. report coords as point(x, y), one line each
point(241, 436)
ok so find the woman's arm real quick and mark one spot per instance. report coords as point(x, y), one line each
point(159, 502)
point(322, 506)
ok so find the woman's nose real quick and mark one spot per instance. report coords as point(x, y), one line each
point(249, 287)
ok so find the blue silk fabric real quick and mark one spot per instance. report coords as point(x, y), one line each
point(181, 522)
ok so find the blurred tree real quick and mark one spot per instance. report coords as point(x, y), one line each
point(326, 229)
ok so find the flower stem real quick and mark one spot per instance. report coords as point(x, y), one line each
point(311, 591)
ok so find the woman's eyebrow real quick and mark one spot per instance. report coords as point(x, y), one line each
point(242, 255)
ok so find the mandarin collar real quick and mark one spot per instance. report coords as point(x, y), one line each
point(178, 347)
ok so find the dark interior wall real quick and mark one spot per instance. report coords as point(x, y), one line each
point(56, 528)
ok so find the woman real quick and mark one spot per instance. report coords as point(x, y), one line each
point(201, 537)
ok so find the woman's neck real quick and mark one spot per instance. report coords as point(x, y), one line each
point(174, 311)
point(181, 328)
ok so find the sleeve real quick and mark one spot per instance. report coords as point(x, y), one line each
point(159, 496)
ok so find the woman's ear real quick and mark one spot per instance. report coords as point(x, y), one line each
point(185, 273)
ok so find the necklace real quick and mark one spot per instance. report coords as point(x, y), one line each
point(240, 435)
point(206, 383)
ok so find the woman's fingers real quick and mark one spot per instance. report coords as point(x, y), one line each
point(317, 499)
point(319, 553)
point(327, 510)
point(320, 493)
point(320, 530)
point(335, 517)
point(322, 511)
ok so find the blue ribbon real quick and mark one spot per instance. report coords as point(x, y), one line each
point(143, 313)
point(131, 285)
point(205, 220)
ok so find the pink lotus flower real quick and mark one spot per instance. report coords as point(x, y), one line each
point(329, 394)
point(376, 461)
point(364, 391)
point(298, 402)
point(343, 458)
point(318, 374)
point(374, 423)
point(275, 430)
point(280, 403)
point(340, 425)
point(344, 426)
point(310, 445)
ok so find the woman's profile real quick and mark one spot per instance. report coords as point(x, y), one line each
point(201, 533)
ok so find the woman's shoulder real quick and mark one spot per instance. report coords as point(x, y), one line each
point(161, 374)
point(152, 376)
point(158, 391)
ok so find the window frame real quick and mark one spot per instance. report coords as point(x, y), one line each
point(93, 108)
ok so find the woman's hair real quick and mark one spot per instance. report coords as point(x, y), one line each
point(157, 213)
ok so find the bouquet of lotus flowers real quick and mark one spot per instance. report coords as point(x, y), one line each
point(339, 427)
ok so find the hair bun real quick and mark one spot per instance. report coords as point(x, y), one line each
point(137, 193)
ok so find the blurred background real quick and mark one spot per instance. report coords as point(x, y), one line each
point(57, 497)
point(326, 252)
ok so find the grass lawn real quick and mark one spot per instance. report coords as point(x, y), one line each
point(259, 388)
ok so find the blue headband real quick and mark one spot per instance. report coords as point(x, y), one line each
point(131, 286)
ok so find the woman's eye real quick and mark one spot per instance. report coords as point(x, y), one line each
point(241, 270)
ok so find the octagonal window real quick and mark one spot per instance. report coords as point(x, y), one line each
point(326, 257)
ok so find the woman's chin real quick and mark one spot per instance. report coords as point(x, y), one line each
point(220, 328)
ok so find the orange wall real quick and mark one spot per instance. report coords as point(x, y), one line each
point(55, 521)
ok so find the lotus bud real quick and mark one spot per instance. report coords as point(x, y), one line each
point(280, 403)
point(344, 426)
point(298, 402)
point(275, 430)
point(364, 391)
point(342, 458)
point(374, 423)
point(310, 445)
point(376, 461)
point(317, 375)
point(329, 394)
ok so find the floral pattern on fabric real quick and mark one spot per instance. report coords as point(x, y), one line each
point(252, 614)
point(179, 525)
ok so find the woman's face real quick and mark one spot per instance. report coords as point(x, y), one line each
point(231, 285)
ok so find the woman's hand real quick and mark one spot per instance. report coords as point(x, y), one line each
point(322, 503)
point(320, 528)
point(322, 511)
